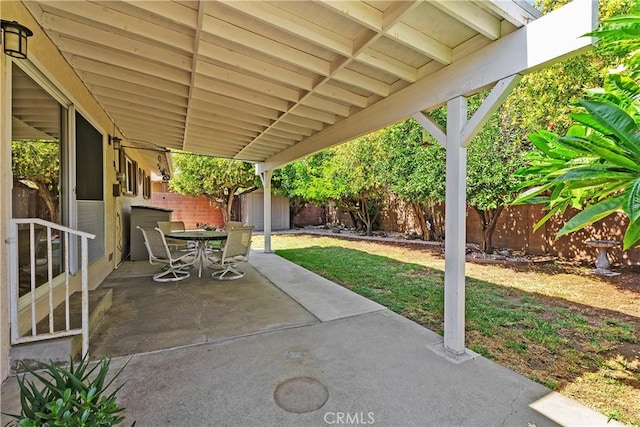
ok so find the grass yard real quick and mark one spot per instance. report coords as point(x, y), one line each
point(556, 324)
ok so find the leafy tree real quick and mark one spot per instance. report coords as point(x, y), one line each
point(596, 165)
point(39, 162)
point(305, 178)
point(352, 178)
point(544, 99)
point(302, 181)
point(415, 171)
point(348, 175)
point(220, 180)
point(493, 158)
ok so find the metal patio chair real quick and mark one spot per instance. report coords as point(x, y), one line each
point(182, 245)
point(175, 263)
point(236, 248)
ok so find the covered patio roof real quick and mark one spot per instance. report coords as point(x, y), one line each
point(274, 81)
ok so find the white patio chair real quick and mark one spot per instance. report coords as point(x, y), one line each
point(236, 248)
point(182, 245)
point(233, 224)
point(217, 245)
point(175, 263)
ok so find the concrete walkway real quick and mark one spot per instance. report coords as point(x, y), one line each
point(323, 356)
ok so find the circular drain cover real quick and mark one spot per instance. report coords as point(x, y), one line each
point(300, 395)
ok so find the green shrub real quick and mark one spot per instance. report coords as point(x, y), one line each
point(73, 396)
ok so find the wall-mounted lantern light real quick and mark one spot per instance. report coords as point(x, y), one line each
point(14, 38)
point(115, 142)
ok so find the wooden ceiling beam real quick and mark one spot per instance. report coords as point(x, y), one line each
point(126, 89)
point(214, 86)
point(358, 11)
point(116, 97)
point(94, 14)
point(170, 10)
point(326, 105)
point(110, 56)
point(288, 127)
point(124, 75)
point(302, 121)
point(246, 81)
point(259, 115)
point(353, 78)
point(472, 16)
point(294, 25)
point(312, 113)
point(109, 40)
point(340, 94)
point(257, 42)
point(421, 42)
point(219, 54)
point(389, 65)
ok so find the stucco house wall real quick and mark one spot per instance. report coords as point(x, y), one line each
point(50, 70)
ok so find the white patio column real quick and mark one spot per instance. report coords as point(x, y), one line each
point(458, 135)
point(265, 176)
point(455, 227)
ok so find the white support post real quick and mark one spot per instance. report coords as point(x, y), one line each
point(455, 227)
point(458, 135)
point(265, 176)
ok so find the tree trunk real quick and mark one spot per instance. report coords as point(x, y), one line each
point(437, 222)
point(44, 192)
point(354, 218)
point(366, 217)
point(424, 227)
point(488, 220)
point(229, 207)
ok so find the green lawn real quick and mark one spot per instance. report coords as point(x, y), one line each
point(538, 322)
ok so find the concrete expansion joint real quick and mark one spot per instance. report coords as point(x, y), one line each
point(354, 316)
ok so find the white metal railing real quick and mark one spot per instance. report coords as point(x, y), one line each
point(35, 227)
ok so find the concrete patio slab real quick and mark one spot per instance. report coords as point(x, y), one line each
point(208, 353)
point(149, 316)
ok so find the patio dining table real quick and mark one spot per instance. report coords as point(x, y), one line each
point(201, 237)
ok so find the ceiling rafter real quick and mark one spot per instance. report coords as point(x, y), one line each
point(151, 96)
point(326, 105)
point(141, 108)
point(219, 28)
point(94, 14)
point(360, 80)
point(118, 42)
point(421, 42)
point(170, 10)
point(130, 62)
point(472, 16)
point(124, 75)
point(396, 12)
point(295, 25)
point(214, 53)
point(204, 102)
point(261, 80)
point(246, 81)
point(211, 85)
